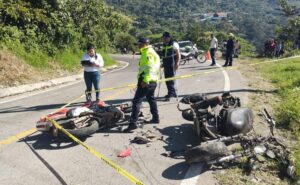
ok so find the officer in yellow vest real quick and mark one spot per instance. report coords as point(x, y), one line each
point(148, 75)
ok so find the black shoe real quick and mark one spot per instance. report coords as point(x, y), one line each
point(152, 121)
point(212, 64)
point(171, 98)
point(224, 65)
point(131, 127)
point(230, 65)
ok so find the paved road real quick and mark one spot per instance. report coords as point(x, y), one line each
point(40, 159)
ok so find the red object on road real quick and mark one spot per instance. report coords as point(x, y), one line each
point(125, 153)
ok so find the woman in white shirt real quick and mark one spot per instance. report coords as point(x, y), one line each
point(91, 62)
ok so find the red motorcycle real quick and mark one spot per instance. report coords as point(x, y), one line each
point(85, 120)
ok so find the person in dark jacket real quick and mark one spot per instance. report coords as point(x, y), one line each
point(229, 50)
point(170, 57)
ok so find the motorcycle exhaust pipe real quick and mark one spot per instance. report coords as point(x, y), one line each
point(211, 102)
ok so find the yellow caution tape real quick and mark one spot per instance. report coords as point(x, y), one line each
point(191, 75)
point(98, 155)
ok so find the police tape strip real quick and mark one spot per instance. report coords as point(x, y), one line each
point(97, 154)
point(192, 75)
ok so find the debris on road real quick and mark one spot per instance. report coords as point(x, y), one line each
point(125, 153)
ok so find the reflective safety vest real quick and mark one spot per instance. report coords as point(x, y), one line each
point(169, 56)
point(149, 65)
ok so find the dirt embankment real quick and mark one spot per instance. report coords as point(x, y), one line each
point(14, 71)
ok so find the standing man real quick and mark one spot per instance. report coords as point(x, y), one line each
point(91, 62)
point(148, 75)
point(171, 58)
point(229, 50)
point(213, 49)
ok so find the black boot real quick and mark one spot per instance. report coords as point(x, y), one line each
point(153, 121)
point(131, 127)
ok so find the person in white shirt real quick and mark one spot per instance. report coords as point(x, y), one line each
point(213, 49)
point(92, 62)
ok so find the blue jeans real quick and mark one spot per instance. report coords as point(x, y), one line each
point(90, 79)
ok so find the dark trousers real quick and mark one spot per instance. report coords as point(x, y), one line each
point(140, 94)
point(169, 73)
point(90, 79)
point(228, 60)
point(213, 55)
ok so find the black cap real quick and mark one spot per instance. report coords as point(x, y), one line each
point(90, 46)
point(143, 40)
point(166, 34)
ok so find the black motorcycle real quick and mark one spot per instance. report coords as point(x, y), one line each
point(218, 116)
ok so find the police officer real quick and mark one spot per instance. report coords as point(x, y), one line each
point(171, 57)
point(229, 50)
point(148, 75)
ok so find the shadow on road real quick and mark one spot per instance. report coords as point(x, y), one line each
point(15, 109)
point(179, 138)
point(48, 166)
point(42, 141)
point(176, 172)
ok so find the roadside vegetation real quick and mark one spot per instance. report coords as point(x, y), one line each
point(285, 75)
point(51, 36)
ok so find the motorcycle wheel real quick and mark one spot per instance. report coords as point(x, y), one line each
point(182, 62)
point(200, 58)
point(91, 128)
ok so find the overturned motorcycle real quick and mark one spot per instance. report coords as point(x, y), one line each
point(85, 120)
point(218, 116)
point(221, 122)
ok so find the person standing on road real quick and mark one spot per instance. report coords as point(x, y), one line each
point(148, 75)
point(237, 48)
point(91, 62)
point(213, 49)
point(171, 58)
point(229, 50)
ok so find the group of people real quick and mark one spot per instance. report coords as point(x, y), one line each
point(148, 75)
point(273, 48)
point(232, 48)
point(149, 72)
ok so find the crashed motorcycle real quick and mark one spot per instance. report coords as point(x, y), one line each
point(85, 120)
point(254, 147)
point(214, 117)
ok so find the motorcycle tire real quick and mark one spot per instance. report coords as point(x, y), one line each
point(206, 152)
point(200, 58)
point(92, 128)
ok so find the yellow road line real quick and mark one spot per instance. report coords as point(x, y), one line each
point(17, 137)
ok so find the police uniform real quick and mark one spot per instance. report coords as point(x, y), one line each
point(149, 66)
point(169, 60)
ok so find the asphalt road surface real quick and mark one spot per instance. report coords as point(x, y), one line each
point(42, 159)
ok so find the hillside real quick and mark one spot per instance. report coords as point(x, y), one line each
point(254, 20)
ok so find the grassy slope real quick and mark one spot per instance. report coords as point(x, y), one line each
point(285, 75)
point(38, 66)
